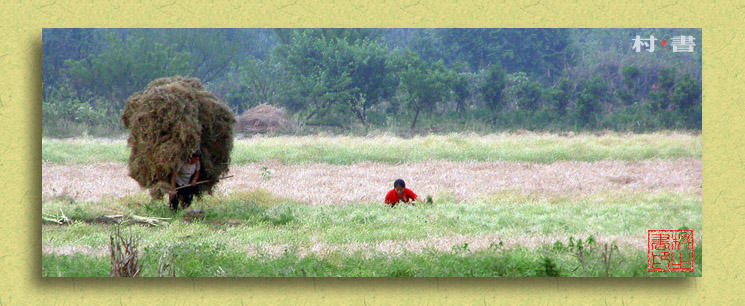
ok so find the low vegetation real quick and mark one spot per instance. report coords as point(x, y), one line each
point(257, 234)
point(529, 147)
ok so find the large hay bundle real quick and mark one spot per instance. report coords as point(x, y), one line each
point(264, 118)
point(168, 121)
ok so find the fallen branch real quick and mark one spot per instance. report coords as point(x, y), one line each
point(141, 219)
point(149, 220)
point(61, 219)
point(48, 219)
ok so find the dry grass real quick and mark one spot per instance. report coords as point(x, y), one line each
point(264, 118)
point(86, 183)
point(70, 250)
point(319, 184)
point(125, 259)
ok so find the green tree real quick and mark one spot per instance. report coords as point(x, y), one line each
point(210, 51)
point(594, 94)
point(350, 35)
point(529, 96)
point(541, 53)
point(317, 86)
point(427, 43)
point(350, 77)
point(492, 88)
point(59, 45)
point(666, 78)
point(252, 82)
point(366, 63)
point(686, 92)
point(461, 91)
point(686, 96)
point(661, 96)
point(561, 95)
point(630, 75)
point(423, 84)
point(125, 66)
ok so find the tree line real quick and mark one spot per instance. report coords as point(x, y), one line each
point(410, 79)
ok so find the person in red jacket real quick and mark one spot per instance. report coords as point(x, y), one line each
point(399, 193)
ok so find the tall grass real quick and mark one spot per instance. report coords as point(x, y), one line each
point(210, 260)
point(540, 148)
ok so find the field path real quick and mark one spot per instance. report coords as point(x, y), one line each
point(319, 184)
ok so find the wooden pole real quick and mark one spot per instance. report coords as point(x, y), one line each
point(200, 182)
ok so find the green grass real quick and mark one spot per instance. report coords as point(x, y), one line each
point(234, 225)
point(249, 218)
point(540, 148)
point(83, 151)
point(215, 260)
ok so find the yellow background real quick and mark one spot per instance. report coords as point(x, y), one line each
point(723, 158)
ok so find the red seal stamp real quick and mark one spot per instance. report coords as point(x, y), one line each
point(670, 250)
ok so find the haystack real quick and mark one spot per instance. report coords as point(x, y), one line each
point(264, 118)
point(168, 121)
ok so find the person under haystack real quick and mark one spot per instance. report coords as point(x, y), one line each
point(185, 176)
point(168, 121)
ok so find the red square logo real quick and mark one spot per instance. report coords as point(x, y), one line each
point(670, 250)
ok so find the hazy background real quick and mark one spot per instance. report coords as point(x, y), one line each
point(400, 81)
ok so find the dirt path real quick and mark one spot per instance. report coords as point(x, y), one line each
point(368, 182)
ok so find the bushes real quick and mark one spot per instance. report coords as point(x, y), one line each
point(493, 87)
point(529, 96)
point(65, 114)
point(560, 96)
point(686, 93)
point(594, 94)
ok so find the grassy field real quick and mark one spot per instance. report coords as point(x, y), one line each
point(197, 260)
point(234, 234)
point(533, 232)
point(539, 148)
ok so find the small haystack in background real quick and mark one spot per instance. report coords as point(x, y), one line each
point(264, 118)
point(168, 121)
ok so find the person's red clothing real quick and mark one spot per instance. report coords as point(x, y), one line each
point(392, 198)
